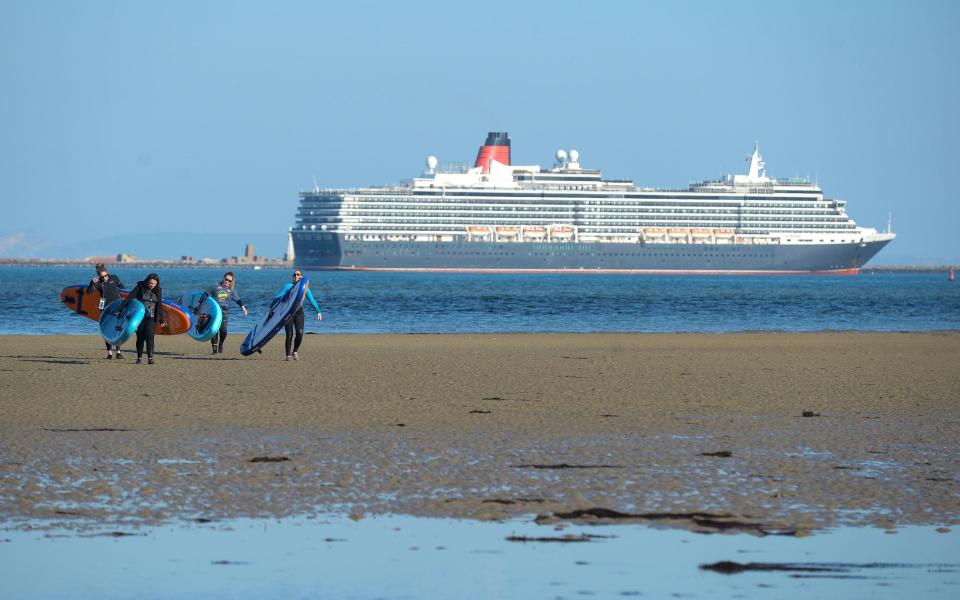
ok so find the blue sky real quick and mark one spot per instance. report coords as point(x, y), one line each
point(177, 123)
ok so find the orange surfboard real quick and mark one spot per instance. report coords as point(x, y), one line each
point(76, 298)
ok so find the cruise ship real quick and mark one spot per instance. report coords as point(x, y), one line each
point(496, 216)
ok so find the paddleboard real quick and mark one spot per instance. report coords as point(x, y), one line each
point(281, 310)
point(206, 321)
point(76, 298)
point(118, 323)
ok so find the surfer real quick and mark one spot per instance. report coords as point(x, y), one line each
point(109, 287)
point(296, 321)
point(148, 291)
point(223, 293)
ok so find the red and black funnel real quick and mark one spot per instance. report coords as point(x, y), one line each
point(497, 147)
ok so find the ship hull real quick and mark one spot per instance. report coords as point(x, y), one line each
point(330, 251)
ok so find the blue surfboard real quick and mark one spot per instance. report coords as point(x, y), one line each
point(281, 310)
point(118, 323)
point(205, 321)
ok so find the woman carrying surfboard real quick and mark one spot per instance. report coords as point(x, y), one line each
point(109, 287)
point(149, 293)
point(224, 293)
point(296, 321)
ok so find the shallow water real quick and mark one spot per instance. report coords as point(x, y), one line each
point(447, 302)
point(407, 557)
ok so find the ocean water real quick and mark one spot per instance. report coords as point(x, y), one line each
point(369, 302)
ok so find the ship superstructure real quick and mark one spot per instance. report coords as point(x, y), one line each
point(503, 217)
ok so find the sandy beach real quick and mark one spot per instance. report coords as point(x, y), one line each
point(488, 427)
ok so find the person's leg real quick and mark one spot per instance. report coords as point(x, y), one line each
point(119, 354)
point(149, 333)
point(222, 335)
point(298, 324)
point(109, 348)
point(288, 336)
point(141, 338)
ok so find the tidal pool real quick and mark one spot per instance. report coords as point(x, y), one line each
point(415, 557)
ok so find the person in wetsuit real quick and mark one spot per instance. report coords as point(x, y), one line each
point(149, 293)
point(223, 293)
point(109, 287)
point(295, 323)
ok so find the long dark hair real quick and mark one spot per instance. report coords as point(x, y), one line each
point(152, 276)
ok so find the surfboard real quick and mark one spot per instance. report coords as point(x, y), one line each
point(76, 298)
point(118, 322)
point(205, 322)
point(281, 310)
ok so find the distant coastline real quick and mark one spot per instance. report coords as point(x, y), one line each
point(286, 264)
point(193, 264)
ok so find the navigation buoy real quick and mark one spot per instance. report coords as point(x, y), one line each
point(951, 275)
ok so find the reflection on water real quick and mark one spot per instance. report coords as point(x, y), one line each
point(406, 557)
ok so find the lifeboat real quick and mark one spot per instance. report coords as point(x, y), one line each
point(507, 232)
point(723, 233)
point(654, 232)
point(678, 233)
point(700, 233)
point(534, 232)
point(478, 230)
point(562, 231)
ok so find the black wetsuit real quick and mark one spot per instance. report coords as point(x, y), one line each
point(223, 295)
point(293, 328)
point(109, 291)
point(294, 323)
point(153, 303)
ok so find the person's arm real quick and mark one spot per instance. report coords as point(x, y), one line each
point(93, 284)
point(286, 287)
point(133, 295)
point(116, 279)
point(236, 298)
point(203, 298)
point(314, 303)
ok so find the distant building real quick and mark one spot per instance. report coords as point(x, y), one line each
point(107, 260)
point(290, 255)
point(248, 252)
point(111, 260)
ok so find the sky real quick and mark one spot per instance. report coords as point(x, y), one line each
point(170, 128)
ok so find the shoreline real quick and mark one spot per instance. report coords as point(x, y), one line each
point(239, 335)
point(796, 431)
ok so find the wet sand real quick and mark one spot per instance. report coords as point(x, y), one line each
point(488, 427)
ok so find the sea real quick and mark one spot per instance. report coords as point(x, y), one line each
point(382, 302)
